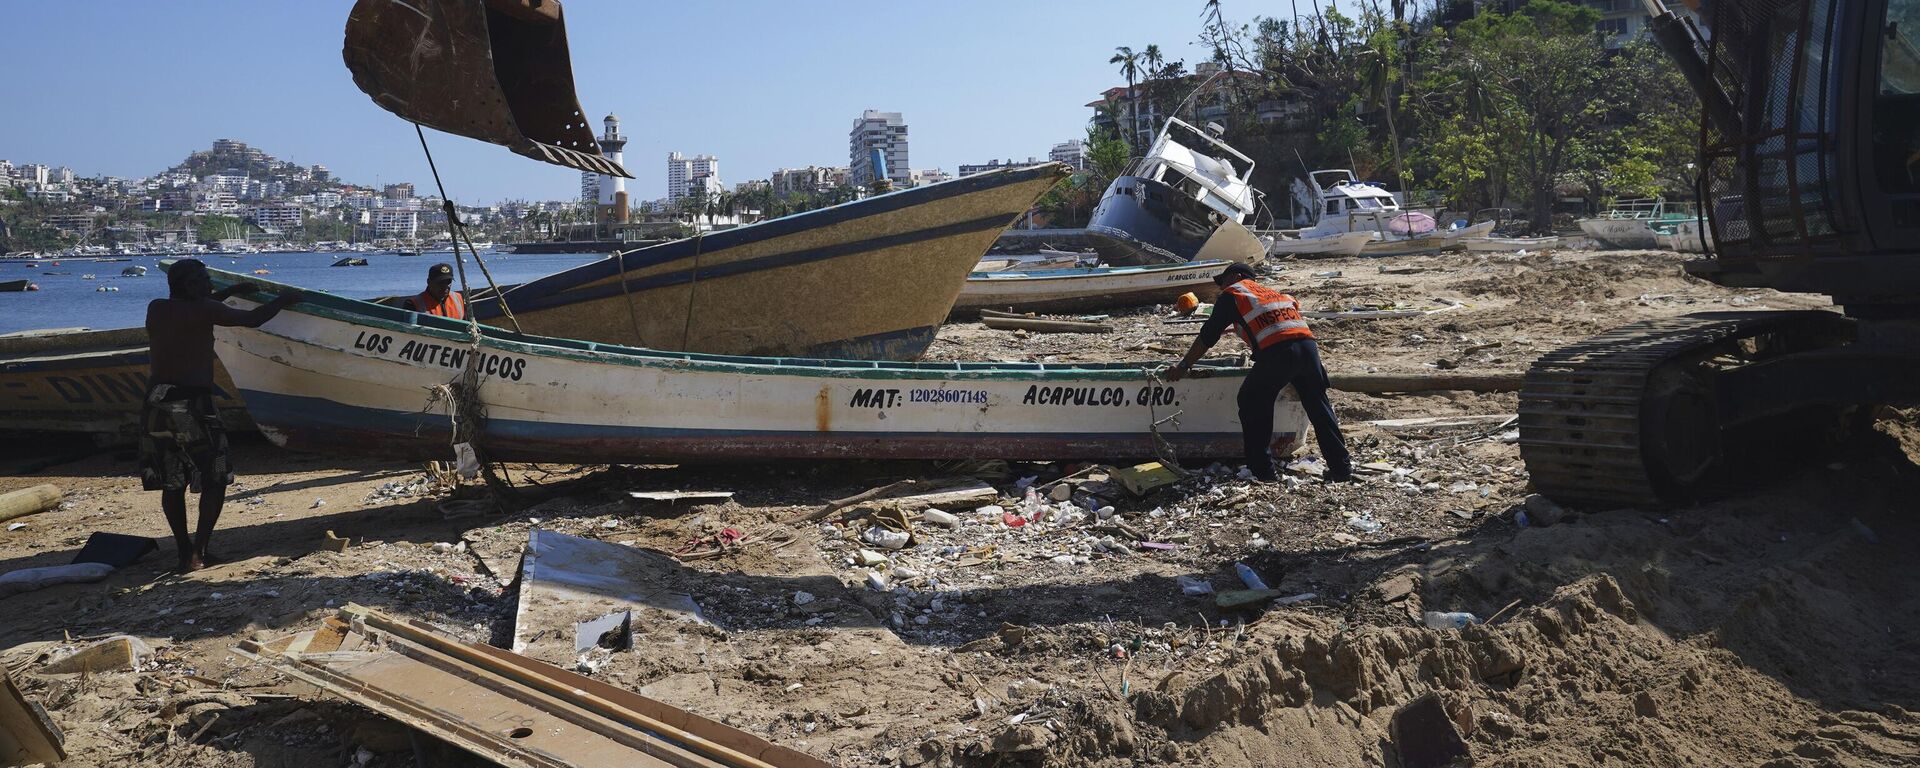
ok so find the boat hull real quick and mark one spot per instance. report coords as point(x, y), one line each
point(1510, 244)
point(871, 280)
point(1079, 290)
point(1432, 242)
point(1342, 244)
point(1620, 233)
point(337, 375)
point(88, 382)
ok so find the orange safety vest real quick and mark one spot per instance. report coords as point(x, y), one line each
point(1267, 316)
point(453, 307)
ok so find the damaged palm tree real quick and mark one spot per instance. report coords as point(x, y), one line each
point(493, 70)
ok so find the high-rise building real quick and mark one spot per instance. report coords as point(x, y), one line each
point(682, 169)
point(886, 131)
point(589, 187)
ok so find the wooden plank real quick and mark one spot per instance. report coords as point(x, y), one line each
point(27, 735)
point(1038, 325)
point(680, 495)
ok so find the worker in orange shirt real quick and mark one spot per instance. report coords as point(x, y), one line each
point(440, 298)
point(1284, 353)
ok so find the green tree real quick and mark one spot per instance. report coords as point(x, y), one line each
point(1130, 68)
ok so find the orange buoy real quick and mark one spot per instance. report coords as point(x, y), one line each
point(1187, 303)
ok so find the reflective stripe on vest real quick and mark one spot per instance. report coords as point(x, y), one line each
point(1267, 316)
point(454, 307)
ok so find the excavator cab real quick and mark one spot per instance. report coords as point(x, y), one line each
point(493, 70)
point(1810, 183)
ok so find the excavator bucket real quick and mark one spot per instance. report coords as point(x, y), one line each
point(493, 70)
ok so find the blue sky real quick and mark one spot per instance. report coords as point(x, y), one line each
point(127, 88)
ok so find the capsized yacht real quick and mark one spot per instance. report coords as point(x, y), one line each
point(1187, 199)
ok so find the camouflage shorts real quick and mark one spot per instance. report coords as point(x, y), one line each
point(182, 443)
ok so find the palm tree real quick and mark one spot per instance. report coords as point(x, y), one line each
point(1130, 67)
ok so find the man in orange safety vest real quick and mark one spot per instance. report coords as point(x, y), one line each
point(440, 298)
point(1284, 353)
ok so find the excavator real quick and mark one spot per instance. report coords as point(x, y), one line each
point(1810, 183)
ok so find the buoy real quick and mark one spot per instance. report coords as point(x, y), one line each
point(1187, 303)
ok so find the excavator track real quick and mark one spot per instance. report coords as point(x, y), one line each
point(1581, 407)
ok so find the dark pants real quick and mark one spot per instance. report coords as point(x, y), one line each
point(1296, 363)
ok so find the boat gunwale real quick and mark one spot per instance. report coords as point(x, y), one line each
point(341, 309)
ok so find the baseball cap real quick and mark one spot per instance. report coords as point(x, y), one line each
point(440, 272)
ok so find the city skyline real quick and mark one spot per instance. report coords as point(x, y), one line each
point(758, 106)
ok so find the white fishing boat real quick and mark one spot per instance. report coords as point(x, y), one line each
point(1686, 236)
point(335, 374)
point(1510, 244)
point(1283, 244)
point(1456, 236)
point(1086, 288)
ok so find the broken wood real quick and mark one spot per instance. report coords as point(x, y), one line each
point(1441, 422)
point(505, 707)
point(1381, 383)
point(27, 735)
point(28, 501)
point(1007, 321)
point(931, 493)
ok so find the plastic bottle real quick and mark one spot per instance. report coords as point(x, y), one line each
point(1248, 577)
point(1455, 620)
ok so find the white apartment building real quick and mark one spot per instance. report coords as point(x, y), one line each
point(275, 217)
point(589, 187)
point(401, 224)
point(33, 173)
point(6, 168)
point(1073, 152)
point(61, 175)
point(682, 170)
point(888, 132)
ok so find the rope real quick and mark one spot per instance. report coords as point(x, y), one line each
point(468, 413)
point(686, 330)
point(1162, 449)
point(633, 312)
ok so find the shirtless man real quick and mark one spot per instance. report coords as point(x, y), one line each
point(183, 445)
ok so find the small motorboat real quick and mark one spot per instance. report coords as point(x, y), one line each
point(134, 271)
point(1510, 244)
point(1077, 290)
point(350, 261)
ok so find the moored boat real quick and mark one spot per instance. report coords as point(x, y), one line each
point(1085, 289)
point(336, 374)
point(871, 279)
point(1344, 205)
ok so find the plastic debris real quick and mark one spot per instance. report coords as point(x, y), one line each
point(1249, 577)
point(1453, 620)
point(1192, 586)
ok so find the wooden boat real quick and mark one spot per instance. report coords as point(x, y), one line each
point(871, 279)
point(1283, 244)
point(80, 380)
point(335, 374)
point(1510, 244)
point(1086, 288)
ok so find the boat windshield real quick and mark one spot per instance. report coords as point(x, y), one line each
point(1368, 204)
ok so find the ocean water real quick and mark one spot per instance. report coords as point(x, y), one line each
point(67, 299)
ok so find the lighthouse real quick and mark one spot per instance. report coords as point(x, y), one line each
point(613, 189)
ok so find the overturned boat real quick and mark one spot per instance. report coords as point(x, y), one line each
point(1086, 288)
point(335, 374)
point(868, 280)
point(1181, 202)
